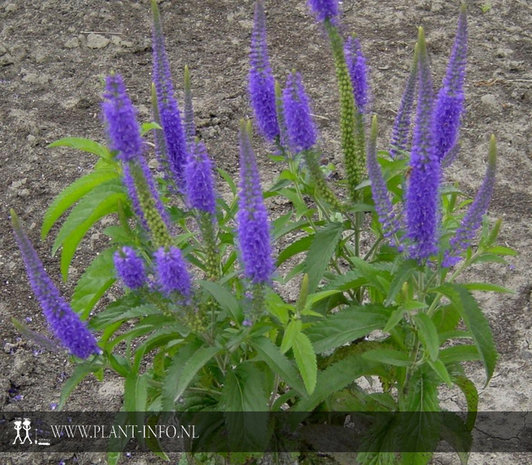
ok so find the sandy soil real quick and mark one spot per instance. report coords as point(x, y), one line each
point(53, 55)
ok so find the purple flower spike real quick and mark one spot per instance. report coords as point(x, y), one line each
point(324, 9)
point(381, 197)
point(174, 132)
point(299, 124)
point(125, 137)
point(450, 102)
point(261, 81)
point(130, 268)
point(172, 274)
point(198, 172)
point(358, 72)
point(401, 127)
point(422, 195)
point(121, 120)
point(62, 320)
point(252, 219)
point(473, 219)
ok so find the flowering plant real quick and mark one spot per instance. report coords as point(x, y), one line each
point(203, 324)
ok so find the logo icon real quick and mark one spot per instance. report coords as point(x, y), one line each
point(19, 425)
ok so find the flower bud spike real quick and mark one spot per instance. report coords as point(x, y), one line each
point(381, 196)
point(261, 81)
point(422, 197)
point(64, 323)
point(351, 121)
point(170, 115)
point(466, 232)
point(449, 105)
point(358, 72)
point(190, 127)
point(401, 127)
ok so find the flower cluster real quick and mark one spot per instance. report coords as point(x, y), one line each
point(252, 218)
point(63, 321)
point(261, 81)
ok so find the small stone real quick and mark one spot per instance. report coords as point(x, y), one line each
point(489, 100)
point(72, 43)
point(97, 41)
point(10, 7)
point(6, 59)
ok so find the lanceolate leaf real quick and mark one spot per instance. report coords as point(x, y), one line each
point(87, 145)
point(476, 322)
point(471, 394)
point(321, 251)
point(194, 364)
point(335, 378)
point(71, 194)
point(428, 334)
point(345, 326)
point(84, 209)
point(70, 244)
point(243, 392)
point(96, 279)
point(419, 429)
point(389, 357)
point(226, 300)
point(278, 363)
point(306, 360)
point(80, 372)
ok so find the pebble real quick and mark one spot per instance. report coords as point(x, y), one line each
point(489, 100)
point(72, 43)
point(97, 41)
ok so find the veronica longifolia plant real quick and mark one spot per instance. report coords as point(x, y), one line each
point(202, 324)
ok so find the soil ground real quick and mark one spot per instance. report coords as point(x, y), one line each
point(53, 55)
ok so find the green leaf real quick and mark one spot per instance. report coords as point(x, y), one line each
point(194, 364)
point(87, 145)
point(109, 205)
point(228, 179)
point(135, 392)
point(471, 395)
point(226, 300)
point(97, 278)
point(278, 362)
point(294, 248)
point(420, 429)
point(80, 372)
point(503, 251)
point(244, 391)
point(371, 273)
point(439, 368)
point(306, 360)
point(335, 378)
point(321, 252)
point(346, 326)
point(122, 310)
point(459, 353)
point(291, 331)
point(147, 127)
point(428, 334)
point(476, 322)
point(174, 370)
point(388, 356)
point(488, 287)
point(406, 269)
point(71, 194)
point(84, 209)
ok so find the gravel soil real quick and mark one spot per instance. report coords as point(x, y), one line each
point(53, 55)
